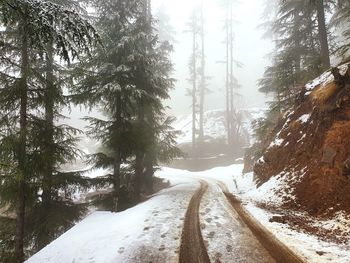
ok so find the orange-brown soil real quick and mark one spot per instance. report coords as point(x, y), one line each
point(314, 155)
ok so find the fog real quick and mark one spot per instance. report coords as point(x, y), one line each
point(251, 50)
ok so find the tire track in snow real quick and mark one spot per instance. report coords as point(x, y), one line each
point(192, 249)
point(227, 237)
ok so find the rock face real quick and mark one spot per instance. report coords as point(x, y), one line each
point(311, 145)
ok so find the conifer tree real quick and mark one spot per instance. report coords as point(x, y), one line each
point(341, 21)
point(165, 30)
point(231, 83)
point(300, 30)
point(202, 72)
point(108, 84)
point(302, 50)
point(153, 80)
point(36, 28)
point(193, 29)
point(128, 79)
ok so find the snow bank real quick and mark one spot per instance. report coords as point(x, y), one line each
point(308, 246)
point(305, 245)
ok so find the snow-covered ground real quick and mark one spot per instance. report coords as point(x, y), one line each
point(129, 236)
point(155, 225)
point(222, 229)
point(305, 245)
point(244, 186)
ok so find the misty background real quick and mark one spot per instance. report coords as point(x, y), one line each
point(251, 50)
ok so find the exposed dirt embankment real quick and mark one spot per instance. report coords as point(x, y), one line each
point(310, 147)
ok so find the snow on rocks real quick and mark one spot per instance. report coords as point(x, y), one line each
point(304, 118)
point(274, 191)
point(302, 138)
point(261, 160)
point(324, 79)
point(276, 142)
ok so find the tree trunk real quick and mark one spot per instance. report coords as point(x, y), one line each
point(149, 174)
point(140, 154)
point(116, 181)
point(48, 148)
point(228, 121)
point(194, 85)
point(138, 174)
point(149, 9)
point(231, 92)
point(117, 157)
point(203, 81)
point(22, 159)
point(323, 34)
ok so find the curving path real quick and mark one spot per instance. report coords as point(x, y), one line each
point(217, 228)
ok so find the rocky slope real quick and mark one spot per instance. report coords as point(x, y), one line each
point(310, 148)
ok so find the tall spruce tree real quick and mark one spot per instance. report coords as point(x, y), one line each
point(153, 68)
point(128, 80)
point(166, 32)
point(341, 21)
point(194, 30)
point(302, 50)
point(37, 25)
point(302, 36)
point(202, 72)
point(231, 83)
point(108, 84)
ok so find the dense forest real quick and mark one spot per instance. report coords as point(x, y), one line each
point(114, 56)
point(53, 55)
point(308, 35)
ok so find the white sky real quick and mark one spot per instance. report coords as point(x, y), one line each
point(251, 50)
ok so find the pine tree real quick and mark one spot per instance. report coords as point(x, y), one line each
point(302, 52)
point(231, 85)
point(323, 33)
point(37, 28)
point(166, 32)
point(193, 29)
point(108, 84)
point(341, 20)
point(128, 79)
point(203, 78)
point(153, 80)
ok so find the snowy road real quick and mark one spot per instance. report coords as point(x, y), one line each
point(192, 221)
point(227, 237)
